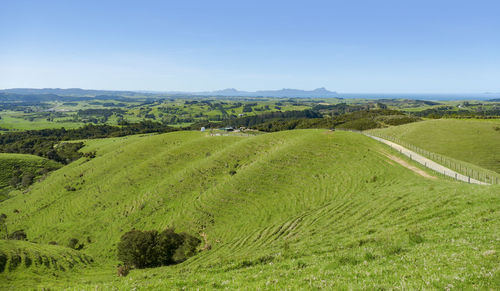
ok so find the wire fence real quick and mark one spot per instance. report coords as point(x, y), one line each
point(461, 167)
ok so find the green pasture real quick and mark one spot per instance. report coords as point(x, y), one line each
point(470, 140)
point(18, 121)
point(303, 209)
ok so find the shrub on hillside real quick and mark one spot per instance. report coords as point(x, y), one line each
point(167, 244)
point(187, 248)
point(73, 244)
point(143, 249)
point(18, 235)
point(27, 180)
point(123, 270)
point(69, 188)
point(15, 180)
point(137, 248)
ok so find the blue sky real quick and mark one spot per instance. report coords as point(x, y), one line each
point(346, 46)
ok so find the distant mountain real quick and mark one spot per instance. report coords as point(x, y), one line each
point(228, 91)
point(319, 92)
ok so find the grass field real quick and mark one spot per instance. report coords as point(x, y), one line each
point(472, 141)
point(16, 121)
point(288, 210)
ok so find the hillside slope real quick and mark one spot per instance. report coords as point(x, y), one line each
point(17, 166)
point(296, 209)
point(473, 141)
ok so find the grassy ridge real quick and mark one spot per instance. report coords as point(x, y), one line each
point(295, 209)
point(475, 142)
point(17, 257)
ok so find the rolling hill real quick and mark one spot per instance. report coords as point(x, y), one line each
point(473, 141)
point(287, 210)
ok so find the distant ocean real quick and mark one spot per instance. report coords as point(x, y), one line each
point(430, 96)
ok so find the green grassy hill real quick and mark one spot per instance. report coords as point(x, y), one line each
point(19, 165)
point(287, 210)
point(473, 141)
point(25, 261)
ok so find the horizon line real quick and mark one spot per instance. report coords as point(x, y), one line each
point(255, 91)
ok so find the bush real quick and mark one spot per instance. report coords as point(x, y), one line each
point(143, 249)
point(138, 249)
point(27, 179)
point(69, 188)
point(73, 244)
point(90, 155)
point(18, 235)
point(15, 181)
point(187, 248)
point(123, 271)
point(167, 244)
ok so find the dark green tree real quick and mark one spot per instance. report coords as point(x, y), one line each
point(167, 244)
point(139, 249)
point(143, 249)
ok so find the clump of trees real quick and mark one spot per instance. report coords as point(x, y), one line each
point(21, 180)
point(345, 116)
point(146, 249)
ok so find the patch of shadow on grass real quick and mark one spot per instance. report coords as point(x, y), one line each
point(250, 263)
point(394, 250)
point(15, 260)
point(3, 262)
point(27, 260)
